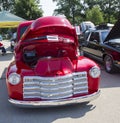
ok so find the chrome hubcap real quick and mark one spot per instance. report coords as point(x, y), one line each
point(108, 63)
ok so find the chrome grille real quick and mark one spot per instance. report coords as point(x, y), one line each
point(55, 87)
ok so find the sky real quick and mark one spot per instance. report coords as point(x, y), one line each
point(48, 7)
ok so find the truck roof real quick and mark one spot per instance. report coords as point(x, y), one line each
point(22, 27)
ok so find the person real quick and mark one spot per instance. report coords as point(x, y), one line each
point(1, 38)
point(2, 48)
point(12, 41)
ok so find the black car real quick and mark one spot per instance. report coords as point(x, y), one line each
point(104, 45)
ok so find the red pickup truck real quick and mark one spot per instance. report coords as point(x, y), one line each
point(48, 69)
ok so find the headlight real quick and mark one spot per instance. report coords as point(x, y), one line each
point(95, 72)
point(14, 78)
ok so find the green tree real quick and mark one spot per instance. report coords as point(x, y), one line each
point(7, 5)
point(71, 9)
point(28, 9)
point(94, 15)
point(109, 8)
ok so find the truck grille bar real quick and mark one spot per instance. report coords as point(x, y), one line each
point(55, 87)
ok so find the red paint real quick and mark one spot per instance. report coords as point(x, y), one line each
point(52, 58)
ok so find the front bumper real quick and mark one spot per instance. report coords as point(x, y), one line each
point(60, 102)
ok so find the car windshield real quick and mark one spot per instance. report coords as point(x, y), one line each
point(104, 35)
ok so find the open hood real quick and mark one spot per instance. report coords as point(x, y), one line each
point(51, 25)
point(115, 32)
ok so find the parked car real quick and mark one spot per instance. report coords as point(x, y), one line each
point(85, 28)
point(48, 70)
point(86, 25)
point(105, 46)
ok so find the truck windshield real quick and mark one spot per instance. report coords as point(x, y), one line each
point(104, 35)
point(23, 30)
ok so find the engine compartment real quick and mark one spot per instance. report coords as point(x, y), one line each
point(33, 52)
point(115, 43)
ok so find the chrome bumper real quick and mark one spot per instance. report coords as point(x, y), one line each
point(51, 103)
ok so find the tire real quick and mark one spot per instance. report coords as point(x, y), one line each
point(109, 65)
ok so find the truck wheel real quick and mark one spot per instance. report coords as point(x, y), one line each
point(109, 65)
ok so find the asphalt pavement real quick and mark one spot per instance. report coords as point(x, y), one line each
point(105, 109)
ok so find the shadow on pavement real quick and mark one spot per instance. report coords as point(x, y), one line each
point(109, 80)
point(6, 57)
point(3, 76)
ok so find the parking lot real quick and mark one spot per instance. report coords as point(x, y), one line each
point(105, 109)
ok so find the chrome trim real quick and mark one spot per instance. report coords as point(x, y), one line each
point(58, 87)
point(51, 103)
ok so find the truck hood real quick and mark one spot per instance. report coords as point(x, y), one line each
point(114, 33)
